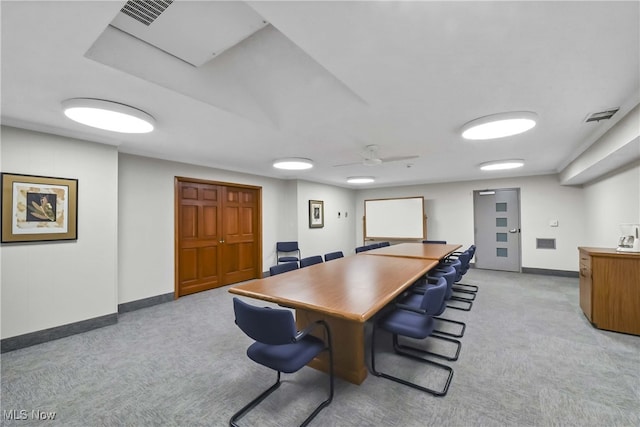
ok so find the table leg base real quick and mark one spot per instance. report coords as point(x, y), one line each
point(348, 346)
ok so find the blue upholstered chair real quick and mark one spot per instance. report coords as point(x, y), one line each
point(439, 242)
point(417, 323)
point(333, 255)
point(279, 346)
point(282, 268)
point(383, 244)
point(306, 262)
point(457, 264)
point(461, 287)
point(284, 251)
point(449, 274)
point(362, 249)
point(414, 300)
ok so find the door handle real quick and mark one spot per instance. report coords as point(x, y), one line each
point(514, 230)
point(221, 241)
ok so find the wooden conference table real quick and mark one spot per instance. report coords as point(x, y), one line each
point(345, 293)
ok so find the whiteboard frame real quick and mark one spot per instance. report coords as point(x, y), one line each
point(413, 220)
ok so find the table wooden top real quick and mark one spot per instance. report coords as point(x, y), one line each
point(612, 252)
point(354, 287)
point(415, 250)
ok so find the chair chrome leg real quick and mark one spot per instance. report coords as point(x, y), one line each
point(466, 296)
point(472, 288)
point(331, 383)
point(438, 393)
point(399, 348)
point(249, 406)
point(459, 335)
point(456, 307)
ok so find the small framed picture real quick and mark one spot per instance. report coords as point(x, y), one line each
point(316, 214)
point(38, 208)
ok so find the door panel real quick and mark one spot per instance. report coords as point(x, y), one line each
point(209, 270)
point(210, 222)
point(188, 265)
point(189, 222)
point(240, 220)
point(497, 229)
point(199, 232)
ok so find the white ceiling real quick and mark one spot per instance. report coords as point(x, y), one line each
point(322, 80)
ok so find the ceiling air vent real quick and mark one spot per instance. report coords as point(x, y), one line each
point(145, 11)
point(602, 115)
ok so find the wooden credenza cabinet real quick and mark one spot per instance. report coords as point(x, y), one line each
point(610, 289)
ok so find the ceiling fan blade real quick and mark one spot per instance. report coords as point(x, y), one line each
point(398, 158)
point(348, 164)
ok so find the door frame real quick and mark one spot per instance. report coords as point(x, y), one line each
point(176, 223)
point(519, 233)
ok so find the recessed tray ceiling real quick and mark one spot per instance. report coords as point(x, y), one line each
point(195, 32)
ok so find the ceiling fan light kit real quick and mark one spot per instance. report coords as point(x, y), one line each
point(502, 165)
point(108, 115)
point(499, 125)
point(293, 163)
point(360, 179)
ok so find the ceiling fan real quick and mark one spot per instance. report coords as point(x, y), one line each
point(370, 157)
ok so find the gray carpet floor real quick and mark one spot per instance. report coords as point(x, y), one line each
point(529, 358)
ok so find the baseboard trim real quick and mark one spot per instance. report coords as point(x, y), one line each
point(547, 272)
point(39, 337)
point(145, 302)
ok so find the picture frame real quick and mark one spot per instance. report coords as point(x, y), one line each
point(316, 214)
point(38, 208)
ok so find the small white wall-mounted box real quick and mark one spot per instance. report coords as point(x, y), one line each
point(553, 223)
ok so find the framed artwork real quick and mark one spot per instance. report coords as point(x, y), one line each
point(38, 208)
point(316, 214)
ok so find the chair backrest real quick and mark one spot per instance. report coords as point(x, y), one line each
point(449, 273)
point(465, 259)
point(271, 326)
point(373, 246)
point(383, 244)
point(439, 242)
point(287, 246)
point(456, 264)
point(433, 297)
point(282, 268)
point(305, 262)
point(333, 255)
point(362, 249)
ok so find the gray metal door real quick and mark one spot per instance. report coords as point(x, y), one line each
point(497, 229)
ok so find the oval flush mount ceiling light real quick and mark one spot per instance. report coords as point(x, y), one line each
point(360, 179)
point(293, 163)
point(502, 165)
point(499, 125)
point(108, 115)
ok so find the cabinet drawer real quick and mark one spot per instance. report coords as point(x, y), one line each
point(585, 265)
point(585, 261)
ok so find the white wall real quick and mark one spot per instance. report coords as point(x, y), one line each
point(610, 201)
point(146, 244)
point(449, 208)
point(56, 283)
point(337, 233)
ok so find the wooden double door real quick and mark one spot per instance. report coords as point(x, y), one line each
point(218, 235)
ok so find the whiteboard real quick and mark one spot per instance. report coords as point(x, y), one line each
point(394, 218)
